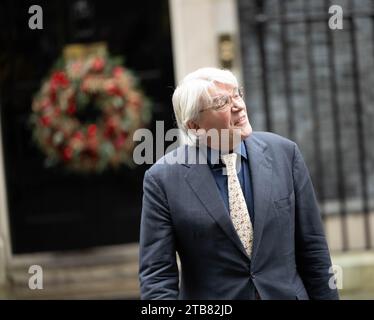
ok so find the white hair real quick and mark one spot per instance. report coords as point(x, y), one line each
point(193, 93)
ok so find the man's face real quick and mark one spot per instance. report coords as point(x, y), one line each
point(233, 116)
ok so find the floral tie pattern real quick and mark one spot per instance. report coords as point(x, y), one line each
point(238, 207)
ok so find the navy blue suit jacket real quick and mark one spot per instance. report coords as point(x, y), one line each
point(183, 212)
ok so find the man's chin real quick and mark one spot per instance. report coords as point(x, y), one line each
point(246, 131)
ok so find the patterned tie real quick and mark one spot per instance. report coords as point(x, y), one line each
point(238, 207)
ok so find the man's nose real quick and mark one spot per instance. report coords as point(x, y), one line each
point(235, 107)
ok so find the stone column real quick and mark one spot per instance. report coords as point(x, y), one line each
point(195, 27)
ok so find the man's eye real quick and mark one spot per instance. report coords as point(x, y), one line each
point(223, 101)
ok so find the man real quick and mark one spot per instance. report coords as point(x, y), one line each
point(246, 225)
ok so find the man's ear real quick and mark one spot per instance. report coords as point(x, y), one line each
point(193, 125)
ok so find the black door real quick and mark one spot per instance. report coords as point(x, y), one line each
point(51, 208)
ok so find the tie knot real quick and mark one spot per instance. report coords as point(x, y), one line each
point(229, 159)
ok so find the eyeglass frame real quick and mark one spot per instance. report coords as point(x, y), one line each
point(228, 103)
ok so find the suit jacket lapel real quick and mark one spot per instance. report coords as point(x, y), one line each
point(261, 172)
point(202, 182)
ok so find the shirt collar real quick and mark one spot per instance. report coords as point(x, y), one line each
point(213, 155)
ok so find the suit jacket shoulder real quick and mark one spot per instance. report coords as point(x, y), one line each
point(273, 140)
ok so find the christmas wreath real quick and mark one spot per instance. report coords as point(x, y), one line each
point(86, 111)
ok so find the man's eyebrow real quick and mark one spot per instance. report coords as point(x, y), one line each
point(225, 93)
point(219, 96)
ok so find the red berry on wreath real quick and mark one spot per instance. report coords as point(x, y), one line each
point(78, 135)
point(56, 112)
point(59, 79)
point(71, 108)
point(98, 64)
point(113, 90)
point(120, 141)
point(67, 153)
point(46, 121)
point(91, 130)
point(118, 71)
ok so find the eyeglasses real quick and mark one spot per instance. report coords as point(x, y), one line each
point(221, 102)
